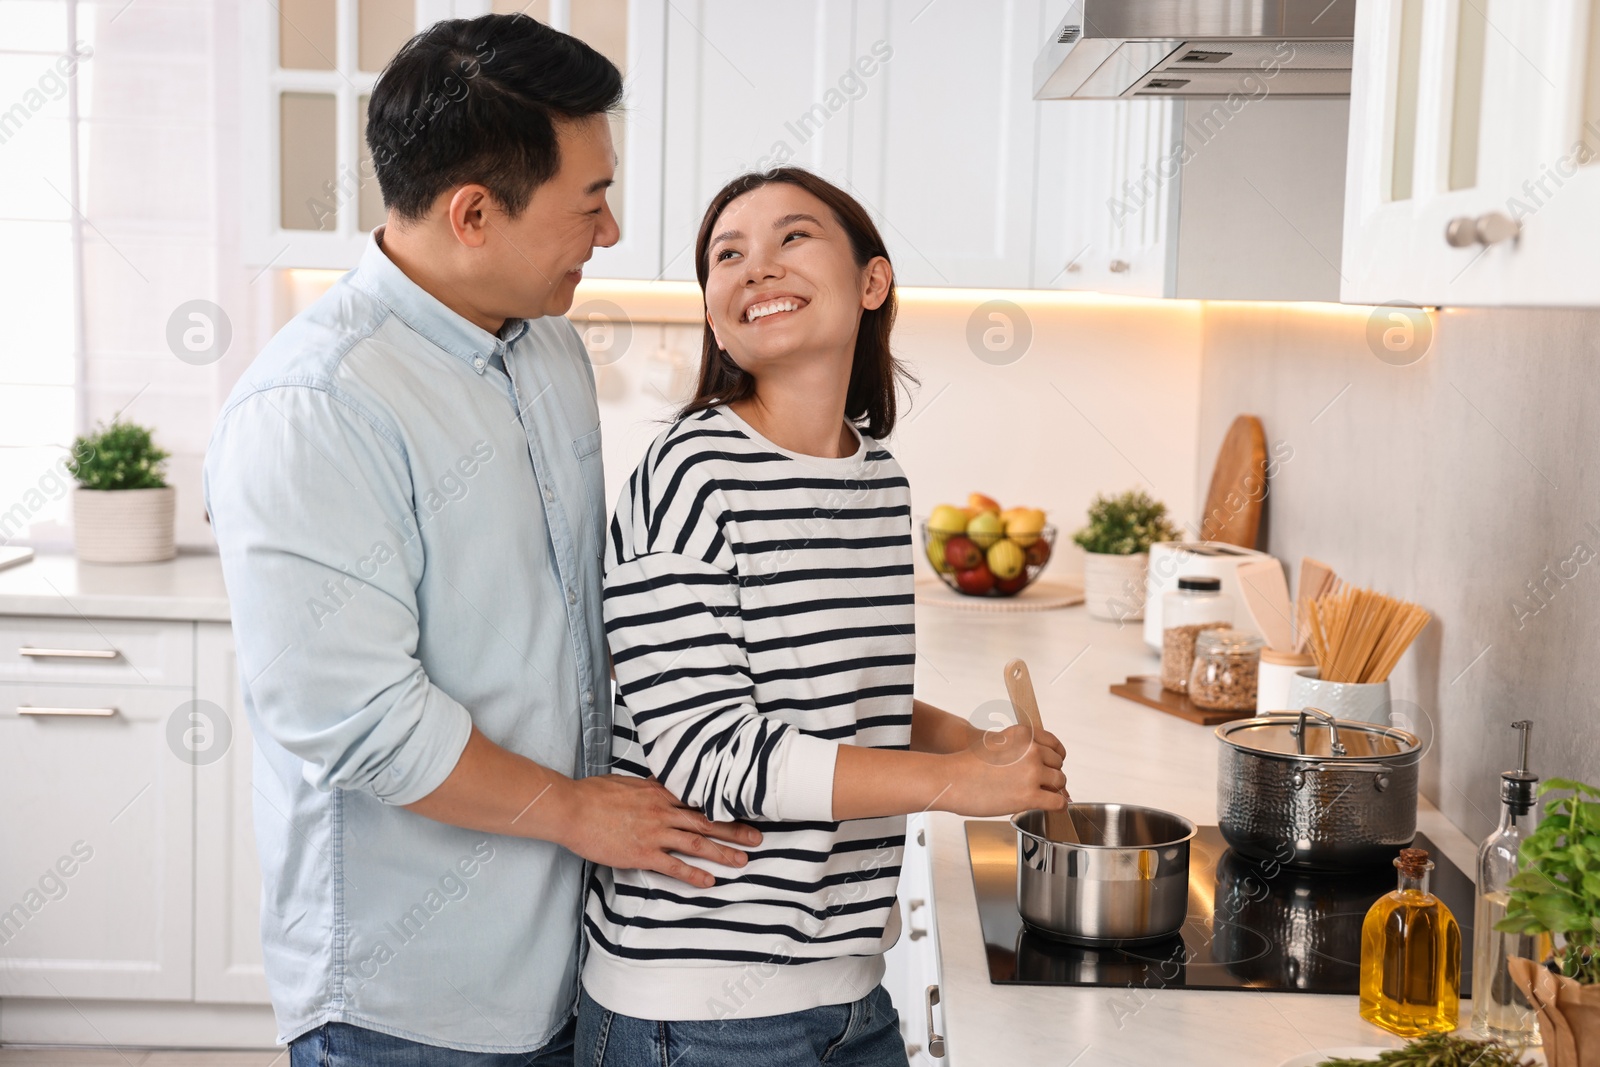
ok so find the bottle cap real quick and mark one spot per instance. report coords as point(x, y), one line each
point(1516, 787)
point(1200, 582)
point(1413, 862)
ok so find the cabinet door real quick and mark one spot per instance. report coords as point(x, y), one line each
point(912, 965)
point(96, 844)
point(944, 137)
point(1107, 195)
point(750, 87)
point(1460, 109)
point(227, 907)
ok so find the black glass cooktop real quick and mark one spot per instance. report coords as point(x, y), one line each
point(1249, 927)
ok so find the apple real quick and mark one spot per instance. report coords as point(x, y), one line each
point(1005, 559)
point(1011, 586)
point(975, 581)
point(962, 554)
point(1038, 553)
point(947, 519)
point(985, 529)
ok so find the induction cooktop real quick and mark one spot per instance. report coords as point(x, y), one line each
point(1255, 927)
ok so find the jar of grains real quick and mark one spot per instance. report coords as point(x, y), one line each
point(1226, 665)
point(1197, 604)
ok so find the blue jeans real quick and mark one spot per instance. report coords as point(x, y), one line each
point(863, 1034)
point(343, 1045)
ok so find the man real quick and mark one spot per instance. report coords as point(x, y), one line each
point(406, 488)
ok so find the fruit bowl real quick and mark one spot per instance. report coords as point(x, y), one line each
point(997, 564)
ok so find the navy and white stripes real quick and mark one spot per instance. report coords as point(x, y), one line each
point(758, 605)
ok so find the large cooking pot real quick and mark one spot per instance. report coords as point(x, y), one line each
point(1125, 883)
point(1304, 789)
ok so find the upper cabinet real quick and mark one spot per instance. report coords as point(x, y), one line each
point(1474, 175)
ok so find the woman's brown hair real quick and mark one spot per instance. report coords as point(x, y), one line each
point(870, 400)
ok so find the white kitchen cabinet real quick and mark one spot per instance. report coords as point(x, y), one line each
point(97, 839)
point(944, 138)
point(1474, 157)
point(911, 967)
point(227, 913)
point(751, 87)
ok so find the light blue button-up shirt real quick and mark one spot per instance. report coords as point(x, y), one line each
point(410, 512)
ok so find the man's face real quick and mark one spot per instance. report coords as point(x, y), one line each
point(536, 259)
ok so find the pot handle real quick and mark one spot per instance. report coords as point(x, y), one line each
point(1298, 731)
point(1381, 772)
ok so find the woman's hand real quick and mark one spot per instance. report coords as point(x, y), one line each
point(1006, 771)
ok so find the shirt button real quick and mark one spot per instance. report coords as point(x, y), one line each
point(572, 598)
point(478, 363)
point(549, 494)
point(588, 696)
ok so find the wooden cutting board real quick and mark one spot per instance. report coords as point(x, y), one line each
point(1146, 689)
point(1238, 486)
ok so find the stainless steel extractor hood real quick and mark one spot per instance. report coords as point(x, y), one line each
point(1109, 49)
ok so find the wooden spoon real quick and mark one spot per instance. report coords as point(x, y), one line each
point(1019, 684)
point(1266, 597)
point(1316, 579)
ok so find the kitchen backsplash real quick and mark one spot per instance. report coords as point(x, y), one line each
point(1466, 481)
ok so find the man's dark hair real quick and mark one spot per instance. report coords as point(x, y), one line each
point(477, 100)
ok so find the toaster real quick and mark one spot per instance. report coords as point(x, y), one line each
point(1171, 560)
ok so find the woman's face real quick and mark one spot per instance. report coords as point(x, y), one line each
point(782, 281)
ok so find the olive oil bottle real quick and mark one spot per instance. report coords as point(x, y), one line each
point(1411, 956)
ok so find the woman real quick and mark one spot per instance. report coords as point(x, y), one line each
point(758, 603)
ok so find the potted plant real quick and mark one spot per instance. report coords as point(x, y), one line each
point(1117, 541)
point(1557, 892)
point(122, 510)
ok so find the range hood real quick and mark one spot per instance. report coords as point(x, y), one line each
point(1127, 49)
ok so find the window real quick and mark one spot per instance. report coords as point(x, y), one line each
point(43, 61)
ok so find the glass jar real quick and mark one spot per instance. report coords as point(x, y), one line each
point(1227, 663)
point(1197, 604)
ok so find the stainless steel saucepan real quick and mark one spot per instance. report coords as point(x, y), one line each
point(1308, 790)
point(1125, 881)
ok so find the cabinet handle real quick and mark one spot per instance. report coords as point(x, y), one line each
point(917, 932)
point(67, 653)
point(1461, 232)
point(935, 1041)
point(1493, 228)
point(1490, 228)
point(922, 838)
point(24, 709)
point(1120, 266)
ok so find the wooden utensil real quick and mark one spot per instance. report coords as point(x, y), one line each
point(1241, 476)
point(1019, 684)
point(1316, 579)
point(1266, 595)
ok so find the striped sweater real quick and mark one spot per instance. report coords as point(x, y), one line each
point(758, 604)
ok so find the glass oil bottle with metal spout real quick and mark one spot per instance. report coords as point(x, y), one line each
point(1498, 1007)
point(1411, 956)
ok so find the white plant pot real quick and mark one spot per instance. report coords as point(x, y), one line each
point(1113, 586)
point(124, 525)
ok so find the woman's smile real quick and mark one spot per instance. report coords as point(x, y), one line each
point(769, 306)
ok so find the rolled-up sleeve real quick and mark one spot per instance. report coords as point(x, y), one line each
point(311, 502)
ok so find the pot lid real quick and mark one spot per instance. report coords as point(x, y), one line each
point(1313, 735)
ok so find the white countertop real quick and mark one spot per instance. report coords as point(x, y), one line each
point(188, 587)
point(1116, 751)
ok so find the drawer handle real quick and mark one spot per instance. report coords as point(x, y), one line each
point(935, 1041)
point(24, 709)
point(68, 653)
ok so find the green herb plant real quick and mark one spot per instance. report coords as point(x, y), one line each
point(120, 455)
point(1557, 888)
point(1126, 524)
point(1440, 1050)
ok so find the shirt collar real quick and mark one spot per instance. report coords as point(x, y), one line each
point(427, 315)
